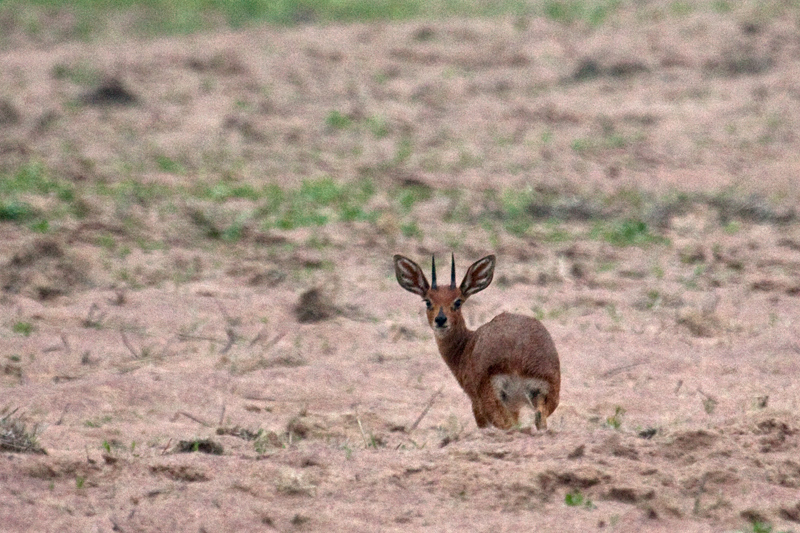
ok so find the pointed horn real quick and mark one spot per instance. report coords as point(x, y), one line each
point(433, 272)
point(452, 271)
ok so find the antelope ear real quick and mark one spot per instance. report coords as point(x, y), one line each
point(410, 276)
point(478, 276)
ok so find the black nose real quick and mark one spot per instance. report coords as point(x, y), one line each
point(440, 318)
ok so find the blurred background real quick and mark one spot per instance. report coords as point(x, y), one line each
point(199, 202)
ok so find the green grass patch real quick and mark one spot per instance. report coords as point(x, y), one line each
point(554, 233)
point(80, 73)
point(226, 190)
point(317, 202)
point(39, 226)
point(132, 191)
point(336, 120)
point(610, 141)
point(615, 421)
point(411, 230)
point(154, 17)
point(31, 179)
point(169, 165)
point(15, 210)
point(627, 232)
point(682, 8)
point(537, 212)
point(93, 18)
point(409, 195)
point(378, 125)
point(576, 499)
point(97, 422)
point(235, 231)
point(23, 328)
point(721, 6)
point(758, 526)
point(34, 178)
point(515, 211)
point(571, 11)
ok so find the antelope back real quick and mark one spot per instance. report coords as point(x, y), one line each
point(527, 350)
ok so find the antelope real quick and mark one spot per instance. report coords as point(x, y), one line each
point(504, 365)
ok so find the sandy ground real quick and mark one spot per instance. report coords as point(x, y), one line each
point(174, 387)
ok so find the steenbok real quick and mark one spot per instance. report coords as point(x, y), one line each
point(504, 365)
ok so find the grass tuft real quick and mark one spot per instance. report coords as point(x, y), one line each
point(34, 178)
point(16, 211)
point(23, 328)
point(199, 445)
point(615, 421)
point(15, 436)
point(576, 499)
point(336, 120)
point(157, 17)
point(627, 232)
point(570, 11)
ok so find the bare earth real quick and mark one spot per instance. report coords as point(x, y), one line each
point(680, 357)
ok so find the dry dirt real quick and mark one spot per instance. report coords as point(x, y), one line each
point(277, 380)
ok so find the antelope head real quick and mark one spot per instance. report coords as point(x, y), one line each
point(443, 302)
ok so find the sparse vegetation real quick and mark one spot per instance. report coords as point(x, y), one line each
point(184, 16)
point(169, 165)
point(619, 219)
point(268, 441)
point(207, 223)
point(15, 210)
point(15, 436)
point(576, 499)
point(627, 232)
point(97, 422)
point(337, 120)
point(295, 483)
point(450, 430)
point(199, 446)
point(615, 421)
point(23, 328)
point(759, 526)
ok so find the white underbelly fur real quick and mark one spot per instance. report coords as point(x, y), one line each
point(516, 391)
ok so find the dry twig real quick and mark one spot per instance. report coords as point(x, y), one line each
point(129, 346)
point(425, 410)
point(94, 317)
point(231, 339)
point(198, 420)
point(363, 434)
point(618, 369)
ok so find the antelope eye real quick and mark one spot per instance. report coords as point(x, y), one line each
point(457, 304)
point(428, 304)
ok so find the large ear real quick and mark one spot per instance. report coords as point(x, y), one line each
point(478, 276)
point(410, 276)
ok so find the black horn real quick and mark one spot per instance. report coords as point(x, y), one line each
point(433, 272)
point(452, 271)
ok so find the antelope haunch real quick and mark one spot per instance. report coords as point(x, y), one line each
point(504, 365)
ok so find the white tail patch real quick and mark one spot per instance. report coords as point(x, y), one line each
point(517, 391)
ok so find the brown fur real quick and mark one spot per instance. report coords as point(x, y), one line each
point(510, 344)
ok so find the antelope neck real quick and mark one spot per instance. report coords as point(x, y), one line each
point(452, 345)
